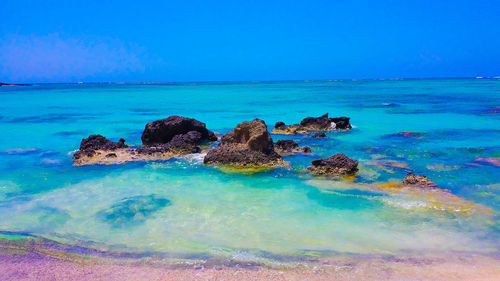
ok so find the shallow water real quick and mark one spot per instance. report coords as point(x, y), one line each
point(180, 206)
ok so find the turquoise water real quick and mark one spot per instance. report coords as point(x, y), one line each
point(182, 207)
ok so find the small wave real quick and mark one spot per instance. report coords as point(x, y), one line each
point(194, 158)
point(249, 258)
point(49, 161)
point(20, 151)
point(405, 204)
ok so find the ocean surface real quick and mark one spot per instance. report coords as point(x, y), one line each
point(182, 208)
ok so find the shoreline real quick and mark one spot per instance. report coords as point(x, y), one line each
point(34, 258)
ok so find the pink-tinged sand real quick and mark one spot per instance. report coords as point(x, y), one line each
point(39, 264)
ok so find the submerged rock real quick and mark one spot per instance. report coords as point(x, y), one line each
point(404, 135)
point(249, 144)
point(495, 110)
point(409, 134)
point(493, 161)
point(322, 123)
point(336, 165)
point(131, 209)
point(319, 135)
point(420, 181)
point(388, 165)
point(288, 147)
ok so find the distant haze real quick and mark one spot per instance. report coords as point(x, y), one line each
point(91, 41)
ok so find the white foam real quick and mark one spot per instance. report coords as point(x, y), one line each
point(51, 161)
point(405, 204)
point(194, 158)
point(19, 150)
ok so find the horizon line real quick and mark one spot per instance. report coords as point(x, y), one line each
point(253, 81)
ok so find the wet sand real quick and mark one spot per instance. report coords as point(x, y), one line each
point(28, 262)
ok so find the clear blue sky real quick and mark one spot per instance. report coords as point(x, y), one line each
point(59, 41)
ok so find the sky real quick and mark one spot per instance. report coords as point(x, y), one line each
point(169, 41)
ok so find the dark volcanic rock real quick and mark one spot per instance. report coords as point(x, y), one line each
point(249, 144)
point(342, 123)
point(279, 125)
point(89, 145)
point(286, 144)
point(322, 123)
point(163, 131)
point(98, 142)
point(186, 142)
point(319, 135)
point(290, 147)
point(83, 153)
point(336, 165)
point(421, 181)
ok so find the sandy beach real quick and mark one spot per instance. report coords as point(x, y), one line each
point(31, 262)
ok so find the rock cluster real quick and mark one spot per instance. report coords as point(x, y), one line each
point(335, 165)
point(162, 139)
point(322, 123)
point(289, 147)
point(419, 181)
point(248, 145)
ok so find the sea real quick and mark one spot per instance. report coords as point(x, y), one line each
point(445, 129)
